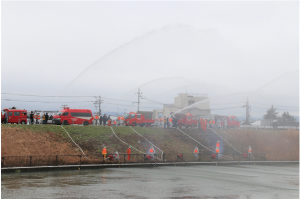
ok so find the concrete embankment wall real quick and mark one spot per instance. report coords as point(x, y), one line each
point(99, 166)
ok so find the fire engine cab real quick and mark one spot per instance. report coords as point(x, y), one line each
point(15, 116)
point(187, 120)
point(141, 118)
point(227, 121)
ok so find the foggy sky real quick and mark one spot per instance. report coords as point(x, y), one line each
point(238, 49)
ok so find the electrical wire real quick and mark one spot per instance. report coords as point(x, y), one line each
point(69, 102)
point(275, 105)
point(125, 100)
point(42, 95)
point(276, 108)
point(46, 101)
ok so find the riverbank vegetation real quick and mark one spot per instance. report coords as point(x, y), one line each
point(21, 140)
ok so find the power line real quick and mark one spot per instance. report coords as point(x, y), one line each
point(69, 102)
point(126, 100)
point(227, 108)
point(115, 104)
point(44, 101)
point(42, 95)
point(276, 105)
point(60, 96)
point(276, 109)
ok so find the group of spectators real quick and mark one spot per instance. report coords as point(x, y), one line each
point(163, 122)
point(101, 120)
point(167, 122)
point(35, 118)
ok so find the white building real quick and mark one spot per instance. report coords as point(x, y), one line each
point(196, 104)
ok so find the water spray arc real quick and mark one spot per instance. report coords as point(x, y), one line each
point(225, 157)
point(226, 141)
point(126, 142)
point(74, 142)
point(148, 141)
point(203, 101)
point(272, 82)
point(154, 80)
point(97, 61)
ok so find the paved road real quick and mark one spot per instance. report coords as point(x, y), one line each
point(247, 181)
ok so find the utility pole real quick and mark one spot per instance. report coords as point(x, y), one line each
point(100, 101)
point(139, 96)
point(247, 112)
point(98, 104)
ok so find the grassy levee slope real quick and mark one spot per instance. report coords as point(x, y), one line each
point(279, 145)
point(92, 139)
point(52, 140)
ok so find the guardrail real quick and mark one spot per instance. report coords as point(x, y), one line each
point(55, 160)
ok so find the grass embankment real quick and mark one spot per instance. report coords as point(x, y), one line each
point(277, 144)
point(91, 139)
point(52, 140)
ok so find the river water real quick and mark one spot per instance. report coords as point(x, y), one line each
point(247, 181)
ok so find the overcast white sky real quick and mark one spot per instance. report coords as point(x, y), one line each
point(217, 48)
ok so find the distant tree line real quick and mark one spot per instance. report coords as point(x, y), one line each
point(285, 117)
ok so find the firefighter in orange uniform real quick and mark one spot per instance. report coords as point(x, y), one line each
point(104, 152)
point(128, 153)
point(217, 149)
point(109, 122)
point(170, 122)
point(249, 151)
point(119, 120)
point(96, 118)
point(196, 152)
point(37, 117)
point(152, 152)
point(122, 121)
point(204, 125)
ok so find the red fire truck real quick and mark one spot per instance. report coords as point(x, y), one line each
point(187, 120)
point(227, 121)
point(73, 116)
point(15, 116)
point(141, 118)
